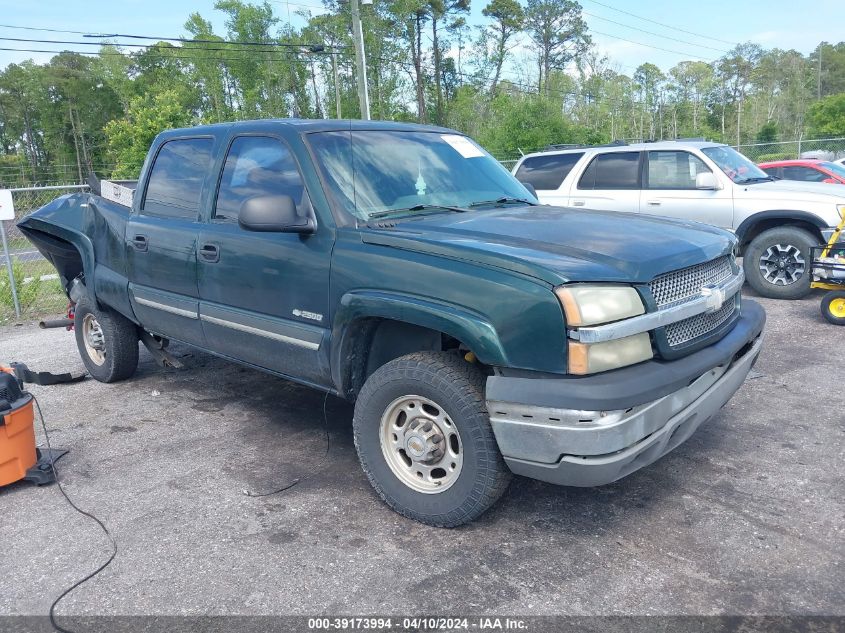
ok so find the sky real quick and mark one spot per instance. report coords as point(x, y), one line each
point(662, 32)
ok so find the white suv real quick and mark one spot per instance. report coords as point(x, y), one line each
point(776, 221)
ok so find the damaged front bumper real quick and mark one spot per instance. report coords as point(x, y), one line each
point(594, 430)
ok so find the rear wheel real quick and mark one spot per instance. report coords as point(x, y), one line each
point(424, 439)
point(107, 342)
point(833, 307)
point(777, 262)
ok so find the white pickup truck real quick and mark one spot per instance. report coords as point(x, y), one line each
point(777, 221)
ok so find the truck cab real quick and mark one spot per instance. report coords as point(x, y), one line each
point(479, 333)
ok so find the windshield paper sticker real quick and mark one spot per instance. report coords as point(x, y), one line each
point(462, 145)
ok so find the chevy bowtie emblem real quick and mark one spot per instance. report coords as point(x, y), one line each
point(714, 298)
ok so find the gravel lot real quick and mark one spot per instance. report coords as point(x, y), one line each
point(745, 518)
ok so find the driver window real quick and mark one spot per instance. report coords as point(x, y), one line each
point(674, 170)
point(256, 166)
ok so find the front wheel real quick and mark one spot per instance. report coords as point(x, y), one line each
point(777, 262)
point(424, 439)
point(107, 342)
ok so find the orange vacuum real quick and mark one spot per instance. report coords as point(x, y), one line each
point(18, 454)
point(19, 457)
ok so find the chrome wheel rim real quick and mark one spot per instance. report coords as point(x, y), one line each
point(782, 264)
point(92, 335)
point(421, 444)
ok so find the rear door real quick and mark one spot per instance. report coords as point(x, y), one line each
point(669, 190)
point(264, 296)
point(162, 237)
point(610, 182)
point(546, 174)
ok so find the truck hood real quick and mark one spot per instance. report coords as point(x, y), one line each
point(558, 245)
point(792, 191)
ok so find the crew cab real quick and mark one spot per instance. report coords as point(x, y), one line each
point(400, 266)
point(776, 222)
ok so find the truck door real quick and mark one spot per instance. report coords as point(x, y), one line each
point(610, 182)
point(264, 296)
point(669, 190)
point(162, 238)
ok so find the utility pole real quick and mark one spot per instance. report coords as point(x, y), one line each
point(360, 60)
point(336, 84)
point(821, 46)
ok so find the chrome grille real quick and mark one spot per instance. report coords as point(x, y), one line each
point(681, 285)
point(699, 325)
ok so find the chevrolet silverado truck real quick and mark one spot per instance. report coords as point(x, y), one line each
point(777, 222)
point(400, 266)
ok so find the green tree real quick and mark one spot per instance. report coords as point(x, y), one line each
point(130, 137)
point(507, 20)
point(827, 116)
point(558, 32)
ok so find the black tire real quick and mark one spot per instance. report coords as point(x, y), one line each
point(116, 356)
point(796, 241)
point(832, 307)
point(458, 387)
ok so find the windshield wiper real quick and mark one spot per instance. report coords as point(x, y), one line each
point(503, 200)
point(746, 181)
point(413, 209)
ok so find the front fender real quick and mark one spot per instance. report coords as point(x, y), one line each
point(469, 327)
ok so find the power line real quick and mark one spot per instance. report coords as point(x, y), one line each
point(185, 40)
point(668, 26)
point(657, 48)
point(666, 37)
point(156, 46)
point(193, 58)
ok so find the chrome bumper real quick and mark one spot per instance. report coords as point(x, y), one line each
point(590, 448)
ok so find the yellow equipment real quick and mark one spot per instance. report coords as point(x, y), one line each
point(829, 274)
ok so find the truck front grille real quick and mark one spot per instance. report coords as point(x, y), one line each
point(699, 325)
point(681, 285)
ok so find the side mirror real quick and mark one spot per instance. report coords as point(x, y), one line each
point(273, 214)
point(706, 180)
point(530, 188)
point(831, 181)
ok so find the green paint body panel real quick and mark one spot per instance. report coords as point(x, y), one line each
point(485, 278)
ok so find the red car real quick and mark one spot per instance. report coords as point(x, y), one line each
point(806, 170)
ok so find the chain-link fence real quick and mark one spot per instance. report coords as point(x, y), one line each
point(823, 149)
point(29, 285)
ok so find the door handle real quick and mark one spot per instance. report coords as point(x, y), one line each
point(210, 253)
point(578, 203)
point(653, 203)
point(140, 243)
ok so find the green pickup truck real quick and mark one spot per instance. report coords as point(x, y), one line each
point(400, 266)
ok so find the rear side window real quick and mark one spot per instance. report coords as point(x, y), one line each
point(547, 172)
point(614, 170)
point(256, 166)
point(674, 170)
point(176, 178)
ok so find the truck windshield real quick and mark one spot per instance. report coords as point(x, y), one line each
point(381, 173)
point(737, 167)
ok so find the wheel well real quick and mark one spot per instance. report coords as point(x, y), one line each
point(771, 223)
point(374, 342)
point(64, 255)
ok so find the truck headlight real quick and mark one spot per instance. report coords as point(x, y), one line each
point(586, 305)
point(591, 358)
point(595, 304)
